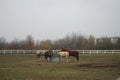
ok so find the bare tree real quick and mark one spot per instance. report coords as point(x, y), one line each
point(117, 43)
point(91, 42)
point(3, 43)
point(29, 42)
point(46, 44)
point(14, 44)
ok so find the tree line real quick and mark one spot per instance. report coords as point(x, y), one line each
point(71, 41)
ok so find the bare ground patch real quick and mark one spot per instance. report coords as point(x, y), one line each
point(99, 65)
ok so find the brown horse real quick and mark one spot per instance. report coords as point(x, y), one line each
point(72, 53)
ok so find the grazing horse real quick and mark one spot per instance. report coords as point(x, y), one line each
point(40, 53)
point(48, 54)
point(72, 53)
point(63, 54)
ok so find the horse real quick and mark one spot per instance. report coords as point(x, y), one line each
point(63, 54)
point(48, 54)
point(72, 53)
point(40, 53)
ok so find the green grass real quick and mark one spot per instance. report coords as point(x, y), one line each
point(90, 67)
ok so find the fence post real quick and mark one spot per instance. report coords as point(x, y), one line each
point(90, 52)
point(104, 51)
point(17, 52)
point(112, 51)
point(4, 52)
point(24, 51)
point(97, 51)
point(11, 51)
point(83, 52)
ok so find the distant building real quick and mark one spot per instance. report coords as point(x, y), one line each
point(112, 40)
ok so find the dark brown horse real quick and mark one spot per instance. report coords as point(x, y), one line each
point(72, 53)
point(48, 55)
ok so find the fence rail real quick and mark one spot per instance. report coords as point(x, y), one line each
point(99, 51)
point(80, 51)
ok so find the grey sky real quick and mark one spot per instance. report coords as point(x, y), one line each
point(53, 19)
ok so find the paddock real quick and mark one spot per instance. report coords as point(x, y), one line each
point(90, 67)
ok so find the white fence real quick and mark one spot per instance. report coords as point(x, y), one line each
point(99, 51)
point(80, 51)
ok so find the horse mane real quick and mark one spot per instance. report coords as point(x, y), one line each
point(65, 49)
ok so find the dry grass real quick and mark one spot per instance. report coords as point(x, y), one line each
point(90, 67)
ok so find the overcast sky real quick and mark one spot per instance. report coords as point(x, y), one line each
point(53, 19)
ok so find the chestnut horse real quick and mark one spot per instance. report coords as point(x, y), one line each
point(72, 53)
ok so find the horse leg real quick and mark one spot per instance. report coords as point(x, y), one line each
point(46, 58)
point(77, 57)
point(37, 58)
point(60, 58)
point(67, 58)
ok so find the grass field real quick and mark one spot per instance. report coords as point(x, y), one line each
point(90, 67)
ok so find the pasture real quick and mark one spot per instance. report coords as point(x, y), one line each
point(90, 67)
